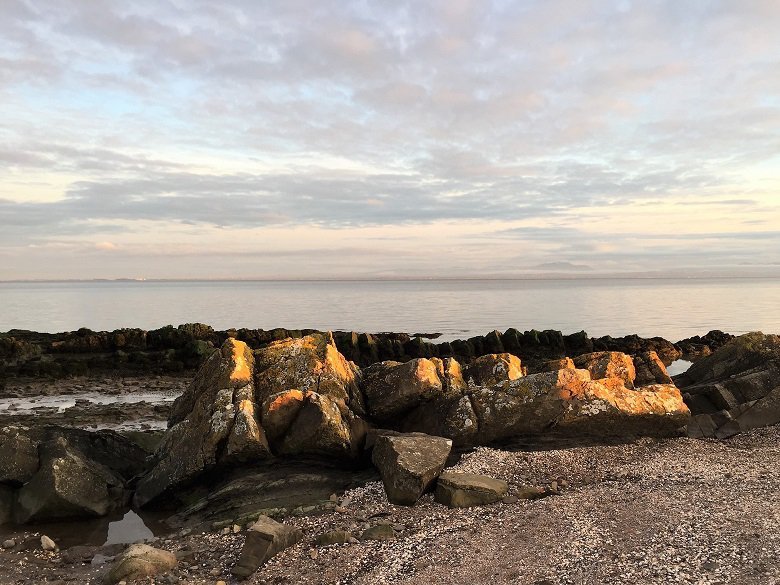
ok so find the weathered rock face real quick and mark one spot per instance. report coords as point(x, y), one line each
point(735, 388)
point(462, 490)
point(392, 389)
point(320, 426)
point(493, 368)
point(264, 539)
point(650, 369)
point(608, 364)
point(553, 365)
point(526, 406)
point(139, 561)
point(453, 418)
point(409, 464)
point(6, 504)
point(67, 485)
point(18, 456)
point(310, 363)
point(212, 423)
point(752, 350)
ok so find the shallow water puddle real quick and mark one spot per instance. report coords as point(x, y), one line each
point(28, 404)
point(678, 367)
point(120, 528)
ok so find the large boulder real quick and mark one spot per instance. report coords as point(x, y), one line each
point(18, 456)
point(450, 417)
point(264, 539)
point(570, 401)
point(525, 406)
point(213, 423)
point(463, 490)
point(409, 464)
point(68, 485)
point(393, 389)
point(311, 363)
point(493, 368)
point(139, 561)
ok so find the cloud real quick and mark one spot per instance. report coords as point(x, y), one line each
point(569, 121)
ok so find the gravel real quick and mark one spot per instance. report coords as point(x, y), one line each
point(647, 512)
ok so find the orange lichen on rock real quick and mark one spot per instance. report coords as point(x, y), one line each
point(243, 362)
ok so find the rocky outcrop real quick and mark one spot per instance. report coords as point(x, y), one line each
point(68, 485)
point(264, 539)
point(174, 349)
point(650, 369)
point(213, 423)
point(301, 391)
point(409, 464)
point(735, 388)
point(463, 490)
point(139, 561)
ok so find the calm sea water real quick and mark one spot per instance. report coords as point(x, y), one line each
point(673, 309)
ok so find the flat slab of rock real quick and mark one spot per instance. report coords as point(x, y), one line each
point(138, 561)
point(264, 539)
point(463, 490)
point(409, 464)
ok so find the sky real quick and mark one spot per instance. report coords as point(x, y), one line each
point(345, 139)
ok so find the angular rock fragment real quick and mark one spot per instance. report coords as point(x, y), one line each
point(463, 490)
point(264, 539)
point(409, 464)
point(378, 532)
point(139, 561)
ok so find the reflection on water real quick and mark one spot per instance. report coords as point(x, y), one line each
point(671, 308)
point(119, 528)
point(29, 404)
point(130, 528)
point(678, 367)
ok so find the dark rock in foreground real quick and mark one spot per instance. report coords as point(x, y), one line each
point(264, 539)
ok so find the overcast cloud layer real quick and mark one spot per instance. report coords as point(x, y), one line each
point(343, 139)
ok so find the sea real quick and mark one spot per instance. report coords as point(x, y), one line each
point(670, 308)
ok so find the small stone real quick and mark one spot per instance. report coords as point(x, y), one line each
point(333, 537)
point(510, 499)
point(226, 530)
point(221, 583)
point(10, 543)
point(346, 502)
point(709, 566)
point(379, 532)
point(236, 529)
point(353, 540)
point(399, 527)
point(563, 483)
point(313, 554)
point(334, 498)
point(340, 509)
point(47, 543)
point(554, 486)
